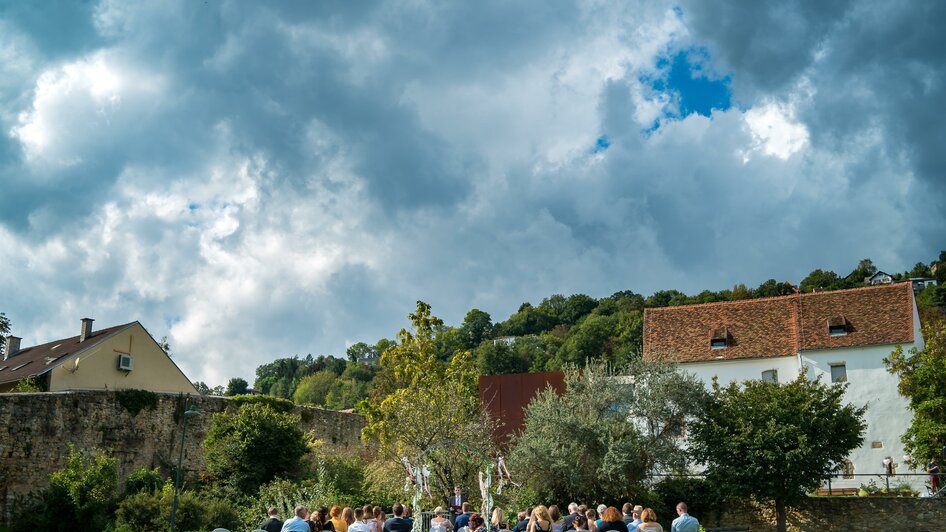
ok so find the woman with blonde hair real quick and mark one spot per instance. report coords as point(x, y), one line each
point(440, 521)
point(540, 520)
point(338, 524)
point(649, 522)
point(498, 520)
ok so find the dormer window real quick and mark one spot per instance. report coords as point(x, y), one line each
point(837, 326)
point(720, 338)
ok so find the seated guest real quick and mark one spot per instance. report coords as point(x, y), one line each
point(523, 520)
point(338, 524)
point(297, 523)
point(359, 524)
point(540, 521)
point(397, 523)
point(464, 518)
point(273, 523)
point(572, 512)
point(632, 526)
point(612, 521)
point(477, 524)
point(439, 521)
point(649, 522)
point(684, 523)
point(557, 522)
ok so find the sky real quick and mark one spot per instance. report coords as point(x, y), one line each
point(257, 180)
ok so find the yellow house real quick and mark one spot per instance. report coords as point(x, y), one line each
point(120, 357)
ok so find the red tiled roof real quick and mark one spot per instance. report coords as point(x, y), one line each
point(41, 358)
point(780, 326)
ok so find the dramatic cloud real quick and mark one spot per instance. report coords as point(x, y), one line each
point(257, 180)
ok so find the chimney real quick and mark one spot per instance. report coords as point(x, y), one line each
point(86, 329)
point(12, 345)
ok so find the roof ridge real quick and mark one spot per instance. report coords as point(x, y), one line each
point(774, 298)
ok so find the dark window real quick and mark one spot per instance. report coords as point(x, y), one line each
point(837, 326)
point(838, 373)
point(720, 338)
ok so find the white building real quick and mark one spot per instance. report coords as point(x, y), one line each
point(842, 335)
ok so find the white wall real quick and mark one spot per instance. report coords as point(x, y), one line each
point(740, 370)
point(888, 415)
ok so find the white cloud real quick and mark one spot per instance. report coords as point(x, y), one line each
point(83, 103)
point(775, 131)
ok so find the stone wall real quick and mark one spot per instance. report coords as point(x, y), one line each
point(839, 513)
point(36, 431)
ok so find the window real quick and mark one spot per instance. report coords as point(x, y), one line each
point(847, 469)
point(837, 326)
point(21, 365)
point(720, 338)
point(770, 375)
point(838, 373)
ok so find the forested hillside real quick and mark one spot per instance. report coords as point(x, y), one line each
point(558, 331)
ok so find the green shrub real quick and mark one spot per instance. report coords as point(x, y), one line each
point(135, 401)
point(276, 403)
point(253, 446)
point(151, 512)
point(700, 496)
point(32, 384)
point(143, 480)
point(80, 497)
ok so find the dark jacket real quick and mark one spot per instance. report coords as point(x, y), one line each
point(613, 526)
point(271, 525)
point(462, 520)
point(569, 522)
point(397, 524)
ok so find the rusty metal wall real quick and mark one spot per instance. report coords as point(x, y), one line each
point(506, 397)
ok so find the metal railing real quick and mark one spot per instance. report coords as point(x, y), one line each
point(883, 476)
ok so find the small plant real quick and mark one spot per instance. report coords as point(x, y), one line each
point(143, 480)
point(871, 488)
point(29, 385)
point(135, 401)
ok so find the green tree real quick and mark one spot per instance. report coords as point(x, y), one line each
point(253, 446)
point(313, 389)
point(820, 281)
point(428, 405)
point(589, 341)
point(923, 382)
point(607, 433)
point(345, 393)
point(477, 326)
point(528, 320)
point(775, 441)
point(665, 298)
point(360, 351)
point(237, 386)
point(499, 357)
point(773, 288)
point(202, 388)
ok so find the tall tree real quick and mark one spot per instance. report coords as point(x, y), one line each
point(237, 386)
point(605, 436)
point(775, 441)
point(429, 407)
point(477, 326)
point(923, 382)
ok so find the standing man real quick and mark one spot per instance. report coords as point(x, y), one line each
point(684, 523)
point(933, 469)
point(273, 524)
point(297, 523)
point(455, 503)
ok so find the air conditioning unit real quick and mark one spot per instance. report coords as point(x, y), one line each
point(126, 363)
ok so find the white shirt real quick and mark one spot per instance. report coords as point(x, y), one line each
point(359, 526)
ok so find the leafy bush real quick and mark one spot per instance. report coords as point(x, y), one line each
point(135, 401)
point(253, 446)
point(151, 512)
point(29, 385)
point(276, 403)
point(143, 480)
point(80, 497)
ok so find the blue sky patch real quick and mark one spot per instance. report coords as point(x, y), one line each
point(601, 144)
point(691, 82)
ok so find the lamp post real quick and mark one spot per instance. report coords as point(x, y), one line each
point(189, 411)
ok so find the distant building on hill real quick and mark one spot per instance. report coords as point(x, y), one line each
point(120, 357)
point(843, 336)
point(879, 277)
